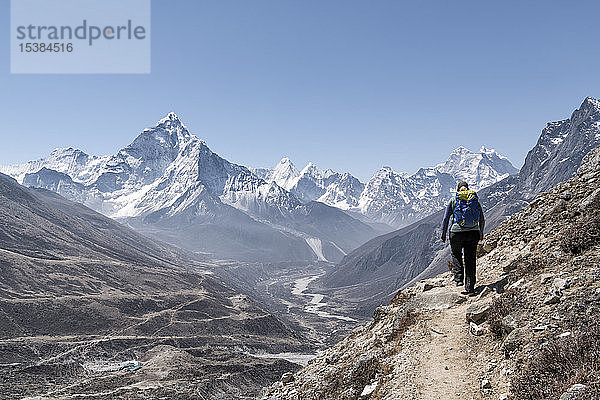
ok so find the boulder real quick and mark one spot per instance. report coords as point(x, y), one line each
point(427, 286)
point(475, 329)
point(560, 284)
point(288, 377)
point(438, 298)
point(478, 311)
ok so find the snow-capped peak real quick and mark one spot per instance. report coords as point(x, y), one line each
point(592, 102)
point(310, 169)
point(385, 171)
point(461, 150)
point(168, 131)
point(171, 117)
point(65, 151)
point(284, 173)
point(479, 169)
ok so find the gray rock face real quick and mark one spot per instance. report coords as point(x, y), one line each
point(560, 149)
point(555, 158)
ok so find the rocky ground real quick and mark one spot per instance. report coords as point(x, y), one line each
point(531, 333)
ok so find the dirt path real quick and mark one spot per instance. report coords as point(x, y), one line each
point(446, 369)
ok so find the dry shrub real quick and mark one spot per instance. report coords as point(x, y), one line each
point(510, 302)
point(582, 234)
point(402, 324)
point(526, 265)
point(585, 231)
point(561, 363)
point(400, 298)
point(348, 382)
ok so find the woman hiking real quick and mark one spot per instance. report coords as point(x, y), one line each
point(466, 230)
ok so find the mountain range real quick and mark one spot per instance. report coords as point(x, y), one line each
point(390, 197)
point(372, 273)
point(170, 185)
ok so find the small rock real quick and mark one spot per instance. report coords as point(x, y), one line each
point(552, 298)
point(540, 328)
point(545, 278)
point(566, 195)
point(564, 335)
point(509, 323)
point(485, 384)
point(369, 389)
point(476, 329)
point(477, 311)
point(560, 284)
point(503, 396)
point(483, 293)
point(487, 247)
point(288, 377)
point(428, 286)
point(517, 284)
point(573, 392)
point(436, 330)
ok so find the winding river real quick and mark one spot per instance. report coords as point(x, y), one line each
point(316, 302)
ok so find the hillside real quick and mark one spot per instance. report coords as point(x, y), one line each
point(81, 294)
point(532, 332)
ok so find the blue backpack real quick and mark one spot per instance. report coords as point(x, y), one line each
point(466, 209)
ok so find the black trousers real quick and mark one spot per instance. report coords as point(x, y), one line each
point(467, 242)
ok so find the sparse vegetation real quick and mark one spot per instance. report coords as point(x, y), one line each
point(582, 234)
point(402, 324)
point(510, 302)
point(561, 363)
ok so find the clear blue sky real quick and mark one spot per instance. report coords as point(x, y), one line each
point(349, 85)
